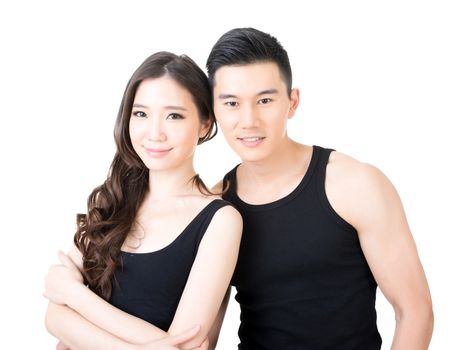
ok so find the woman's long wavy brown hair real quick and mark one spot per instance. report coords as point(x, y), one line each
point(112, 207)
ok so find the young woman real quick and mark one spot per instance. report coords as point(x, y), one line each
point(155, 252)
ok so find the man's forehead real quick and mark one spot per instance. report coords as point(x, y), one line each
point(251, 79)
point(257, 68)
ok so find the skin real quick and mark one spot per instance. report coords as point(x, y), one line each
point(252, 108)
point(164, 130)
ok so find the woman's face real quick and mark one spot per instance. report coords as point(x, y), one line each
point(164, 124)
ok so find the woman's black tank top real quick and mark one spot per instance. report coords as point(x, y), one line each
point(302, 280)
point(150, 285)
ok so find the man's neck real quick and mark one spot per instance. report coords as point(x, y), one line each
point(291, 158)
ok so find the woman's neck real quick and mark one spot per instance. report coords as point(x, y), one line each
point(171, 183)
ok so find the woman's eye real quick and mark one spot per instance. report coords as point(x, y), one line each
point(264, 101)
point(174, 116)
point(139, 114)
point(231, 104)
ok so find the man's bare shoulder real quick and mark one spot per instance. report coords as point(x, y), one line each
point(345, 170)
point(356, 189)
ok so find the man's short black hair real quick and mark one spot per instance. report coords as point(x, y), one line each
point(242, 46)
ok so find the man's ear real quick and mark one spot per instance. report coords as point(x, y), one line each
point(294, 101)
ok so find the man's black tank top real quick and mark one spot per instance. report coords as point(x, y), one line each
point(150, 285)
point(302, 280)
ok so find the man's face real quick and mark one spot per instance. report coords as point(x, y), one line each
point(252, 107)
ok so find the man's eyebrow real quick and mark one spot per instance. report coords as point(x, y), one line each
point(264, 92)
point(268, 92)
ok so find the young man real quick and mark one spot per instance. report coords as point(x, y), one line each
point(321, 229)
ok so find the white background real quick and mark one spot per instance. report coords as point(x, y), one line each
point(385, 82)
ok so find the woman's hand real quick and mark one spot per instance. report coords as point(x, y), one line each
point(168, 343)
point(62, 280)
point(61, 346)
point(173, 342)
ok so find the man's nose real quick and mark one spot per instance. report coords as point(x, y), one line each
point(249, 118)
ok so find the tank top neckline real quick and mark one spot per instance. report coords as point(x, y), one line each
point(181, 234)
point(281, 201)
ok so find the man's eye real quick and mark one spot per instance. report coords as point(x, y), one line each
point(139, 114)
point(264, 101)
point(231, 104)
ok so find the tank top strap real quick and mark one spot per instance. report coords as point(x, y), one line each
point(205, 217)
point(314, 177)
point(230, 179)
point(229, 185)
point(322, 158)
